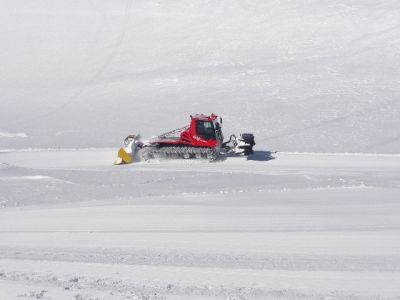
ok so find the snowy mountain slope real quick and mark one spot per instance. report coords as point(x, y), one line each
point(303, 75)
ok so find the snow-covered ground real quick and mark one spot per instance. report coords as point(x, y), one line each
point(304, 75)
point(317, 79)
point(280, 226)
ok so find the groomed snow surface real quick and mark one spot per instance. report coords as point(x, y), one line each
point(277, 226)
point(313, 214)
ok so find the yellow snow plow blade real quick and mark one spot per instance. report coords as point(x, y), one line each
point(123, 157)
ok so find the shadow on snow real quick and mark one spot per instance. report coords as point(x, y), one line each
point(261, 156)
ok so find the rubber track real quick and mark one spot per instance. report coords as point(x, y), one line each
point(179, 152)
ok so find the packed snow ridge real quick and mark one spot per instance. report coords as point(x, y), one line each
point(12, 135)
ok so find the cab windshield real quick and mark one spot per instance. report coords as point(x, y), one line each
point(205, 130)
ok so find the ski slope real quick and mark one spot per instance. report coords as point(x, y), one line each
point(278, 226)
point(314, 214)
point(302, 75)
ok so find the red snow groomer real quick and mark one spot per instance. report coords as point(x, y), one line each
point(203, 138)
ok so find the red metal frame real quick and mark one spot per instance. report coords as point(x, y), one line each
point(190, 137)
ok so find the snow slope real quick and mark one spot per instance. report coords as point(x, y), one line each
point(302, 75)
point(280, 226)
point(312, 78)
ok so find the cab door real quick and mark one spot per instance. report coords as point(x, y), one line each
point(218, 132)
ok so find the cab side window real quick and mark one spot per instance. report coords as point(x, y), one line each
point(205, 130)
